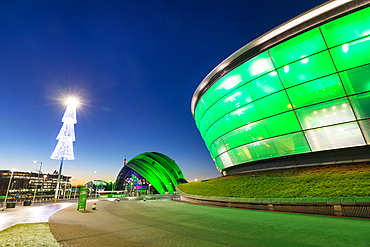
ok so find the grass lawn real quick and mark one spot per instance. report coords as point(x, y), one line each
point(312, 182)
point(37, 234)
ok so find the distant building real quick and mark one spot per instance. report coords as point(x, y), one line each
point(26, 182)
point(102, 186)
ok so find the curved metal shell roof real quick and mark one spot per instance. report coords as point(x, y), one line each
point(160, 170)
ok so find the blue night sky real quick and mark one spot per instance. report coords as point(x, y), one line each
point(134, 65)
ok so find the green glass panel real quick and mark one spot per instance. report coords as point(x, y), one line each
point(256, 67)
point(251, 91)
point(213, 150)
point(365, 128)
point(197, 116)
point(199, 111)
point(226, 160)
point(217, 148)
point(299, 47)
point(264, 85)
point(338, 136)
point(274, 126)
point(307, 69)
point(347, 28)
point(263, 108)
point(275, 147)
point(316, 91)
point(206, 121)
point(219, 164)
point(352, 54)
point(361, 105)
point(220, 88)
point(248, 71)
point(327, 113)
point(356, 80)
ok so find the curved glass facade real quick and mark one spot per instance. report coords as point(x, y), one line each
point(307, 94)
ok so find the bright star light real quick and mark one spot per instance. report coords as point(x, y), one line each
point(72, 102)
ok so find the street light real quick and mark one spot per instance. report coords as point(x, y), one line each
point(42, 188)
point(70, 190)
point(34, 195)
point(96, 187)
point(64, 191)
point(7, 191)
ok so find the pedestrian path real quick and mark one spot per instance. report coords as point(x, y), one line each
point(30, 214)
point(170, 223)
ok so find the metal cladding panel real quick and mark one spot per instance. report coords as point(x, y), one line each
point(160, 171)
point(307, 93)
point(150, 174)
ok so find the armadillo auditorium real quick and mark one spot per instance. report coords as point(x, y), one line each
point(296, 96)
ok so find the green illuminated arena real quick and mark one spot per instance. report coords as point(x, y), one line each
point(159, 170)
point(297, 96)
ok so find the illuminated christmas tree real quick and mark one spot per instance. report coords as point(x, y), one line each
point(66, 137)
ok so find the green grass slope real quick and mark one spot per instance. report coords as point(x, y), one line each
point(325, 181)
point(36, 234)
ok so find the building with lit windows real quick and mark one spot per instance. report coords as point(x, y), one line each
point(24, 183)
point(297, 96)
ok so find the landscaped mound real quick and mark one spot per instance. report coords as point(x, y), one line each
point(312, 182)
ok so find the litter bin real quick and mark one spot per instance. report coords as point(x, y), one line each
point(10, 205)
point(27, 203)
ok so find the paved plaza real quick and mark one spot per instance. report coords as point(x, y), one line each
point(171, 223)
point(30, 214)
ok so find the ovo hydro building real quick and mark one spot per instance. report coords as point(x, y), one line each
point(297, 96)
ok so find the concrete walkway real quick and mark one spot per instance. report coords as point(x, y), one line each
point(30, 214)
point(170, 223)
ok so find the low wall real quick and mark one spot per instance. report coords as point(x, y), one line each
point(337, 206)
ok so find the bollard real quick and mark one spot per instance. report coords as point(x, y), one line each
point(144, 199)
point(118, 199)
point(94, 206)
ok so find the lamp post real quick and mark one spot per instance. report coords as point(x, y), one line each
point(7, 191)
point(96, 187)
point(34, 194)
point(70, 191)
point(64, 191)
point(74, 196)
point(42, 188)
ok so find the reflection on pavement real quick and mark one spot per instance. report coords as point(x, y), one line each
point(32, 214)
